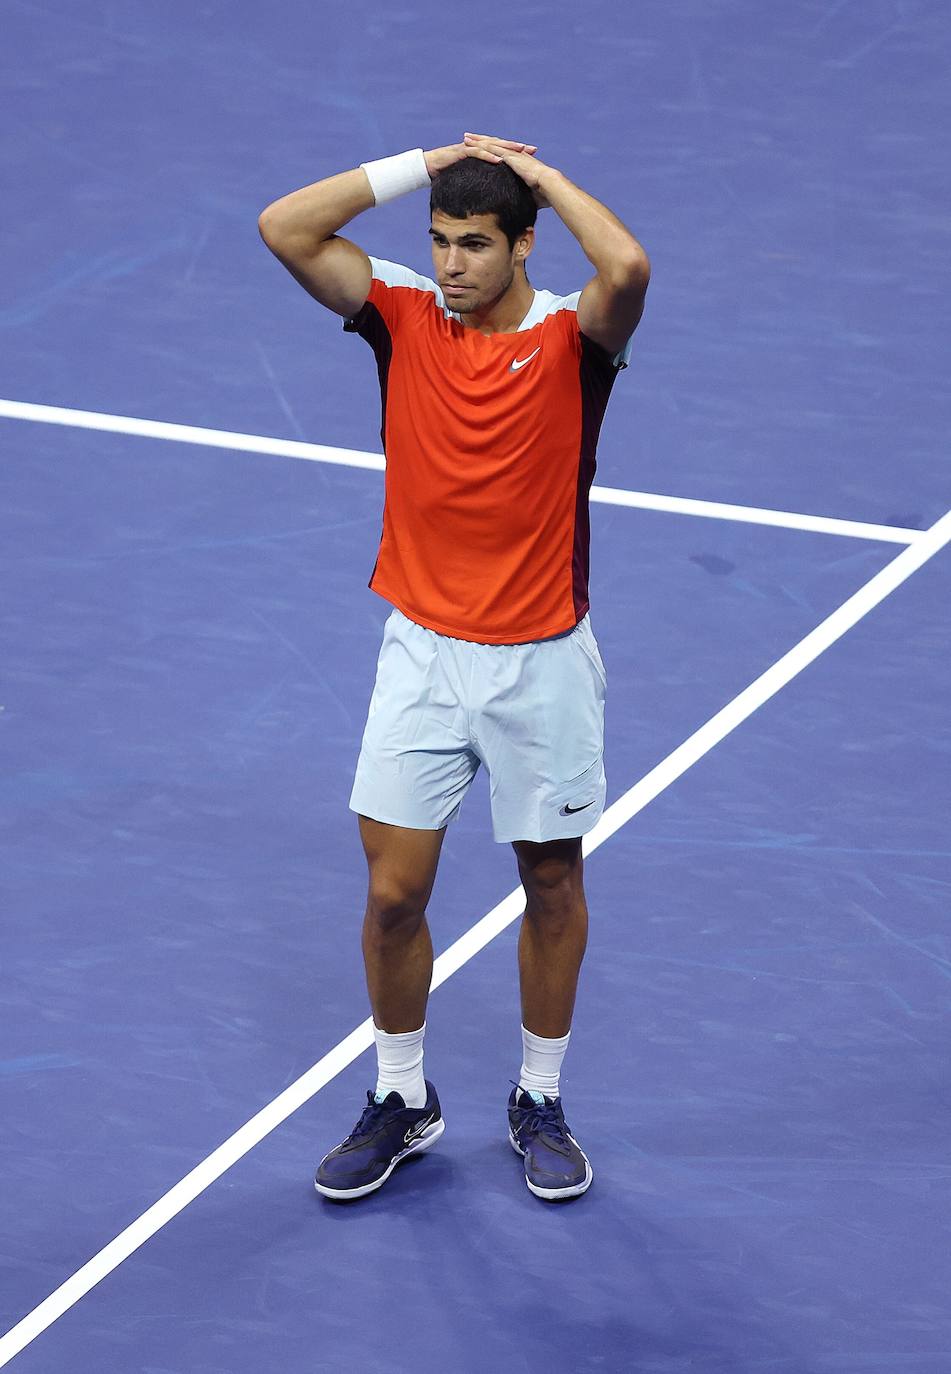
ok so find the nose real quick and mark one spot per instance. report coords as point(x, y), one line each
point(455, 264)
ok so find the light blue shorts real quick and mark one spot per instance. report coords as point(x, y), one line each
point(532, 713)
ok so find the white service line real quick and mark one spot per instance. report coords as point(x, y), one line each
point(356, 458)
point(927, 544)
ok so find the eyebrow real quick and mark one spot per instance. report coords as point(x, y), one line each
point(464, 238)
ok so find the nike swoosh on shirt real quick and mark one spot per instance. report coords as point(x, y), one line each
point(520, 362)
point(567, 810)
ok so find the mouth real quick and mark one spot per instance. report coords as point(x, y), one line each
point(451, 289)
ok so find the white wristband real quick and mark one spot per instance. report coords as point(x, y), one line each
point(390, 177)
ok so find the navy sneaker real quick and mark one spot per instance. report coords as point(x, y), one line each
point(555, 1164)
point(387, 1132)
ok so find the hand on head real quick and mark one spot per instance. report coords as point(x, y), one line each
point(519, 156)
point(486, 147)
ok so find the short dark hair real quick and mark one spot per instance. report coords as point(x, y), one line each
point(474, 187)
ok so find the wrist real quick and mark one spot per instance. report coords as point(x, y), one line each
point(549, 179)
point(390, 177)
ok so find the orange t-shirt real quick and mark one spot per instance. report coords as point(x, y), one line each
point(490, 454)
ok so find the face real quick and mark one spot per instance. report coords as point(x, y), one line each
point(474, 264)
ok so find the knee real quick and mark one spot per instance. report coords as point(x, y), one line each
point(393, 906)
point(553, 888)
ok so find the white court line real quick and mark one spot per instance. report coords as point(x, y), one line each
point(356, 458)
point(928, 543)
point(189, 434)
point(754, 515)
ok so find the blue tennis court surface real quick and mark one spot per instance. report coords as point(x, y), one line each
point(759, 1062)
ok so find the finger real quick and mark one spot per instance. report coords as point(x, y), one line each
point(501, 142)
point(501, 150)
point(508, 144)
point(488, 146)
point(484, 141)
point(474, 150)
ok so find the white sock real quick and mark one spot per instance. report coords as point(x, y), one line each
point(399, 1061)
point(541, 1063)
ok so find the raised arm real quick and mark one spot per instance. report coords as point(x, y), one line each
point(613, 301)
point(301, 229)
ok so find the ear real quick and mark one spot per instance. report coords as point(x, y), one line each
point(524, 244)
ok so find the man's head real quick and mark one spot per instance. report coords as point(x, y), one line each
point(482, 228)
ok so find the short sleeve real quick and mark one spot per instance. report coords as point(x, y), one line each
point(395, 290)
point(569, 304)
point(623, 357)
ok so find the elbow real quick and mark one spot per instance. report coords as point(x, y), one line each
point(273, 229)
point(632, 270)
point(266, 225)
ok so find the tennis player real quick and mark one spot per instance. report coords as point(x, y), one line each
point(493, 395)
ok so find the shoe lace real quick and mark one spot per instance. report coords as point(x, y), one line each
point(547, 1120)
point(370, 1118)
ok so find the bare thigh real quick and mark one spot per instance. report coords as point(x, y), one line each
point(402, 863)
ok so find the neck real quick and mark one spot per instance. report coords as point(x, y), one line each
point(506, 312)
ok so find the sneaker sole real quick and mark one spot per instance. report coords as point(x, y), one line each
point(555, 1194)
point(423, 1142)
